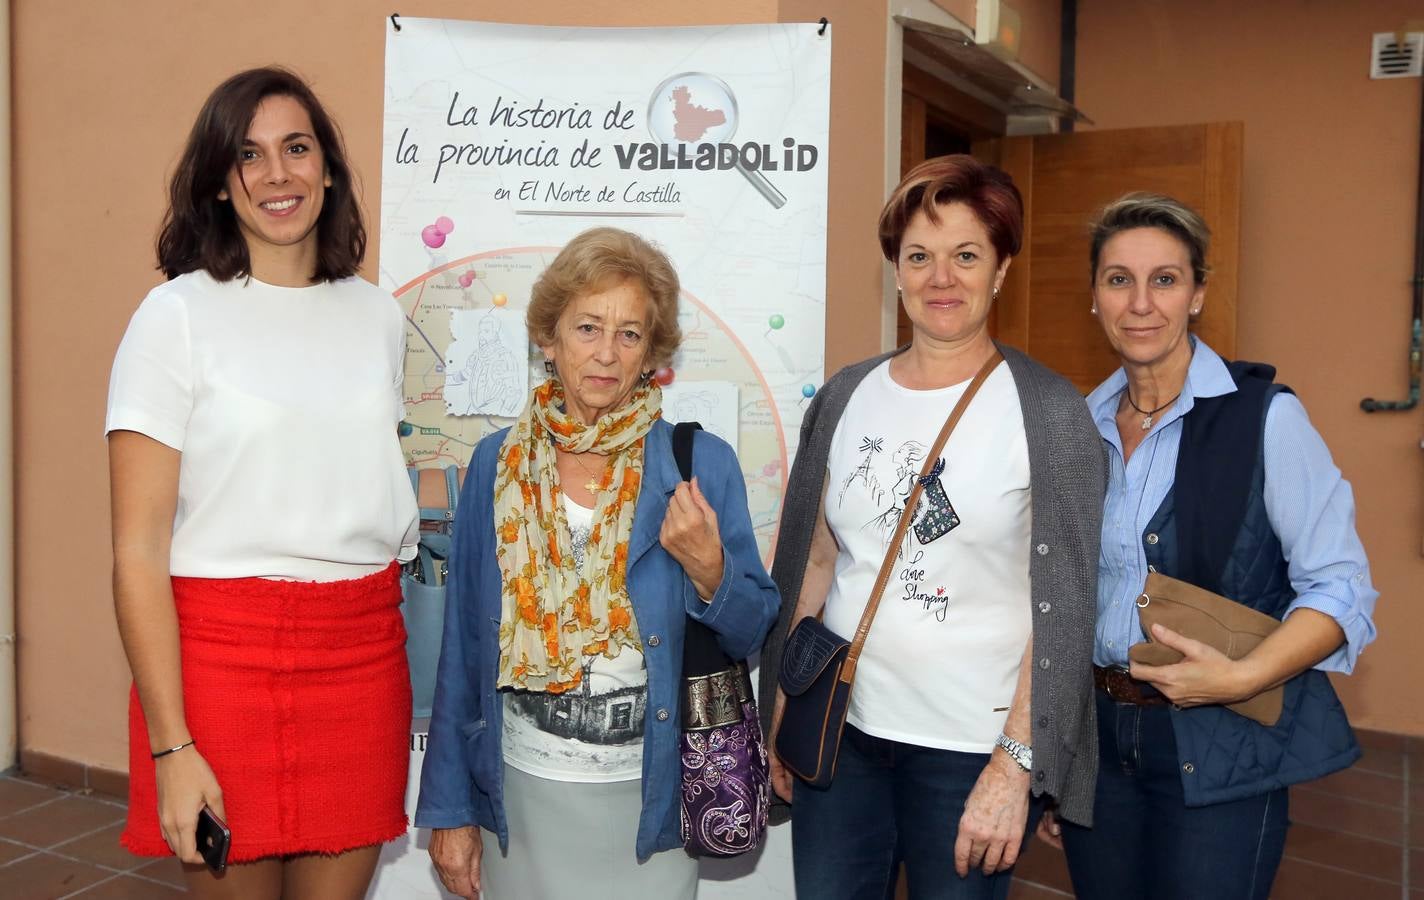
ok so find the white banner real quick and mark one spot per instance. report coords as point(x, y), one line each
point(504, 141)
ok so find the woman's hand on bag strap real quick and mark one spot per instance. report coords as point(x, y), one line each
point(691, 536)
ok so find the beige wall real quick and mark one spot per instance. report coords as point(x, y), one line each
point(104, 95)
point(1326, 239)
point(963, 10)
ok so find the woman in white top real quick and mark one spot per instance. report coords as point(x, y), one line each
point(259, 503)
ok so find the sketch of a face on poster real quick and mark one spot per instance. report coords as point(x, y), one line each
point(712, 404)
point(697, 108)
point(486, 364)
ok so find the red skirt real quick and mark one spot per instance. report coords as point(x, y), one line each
point(298, 696)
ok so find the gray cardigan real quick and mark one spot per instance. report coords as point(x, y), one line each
point(1067, 474)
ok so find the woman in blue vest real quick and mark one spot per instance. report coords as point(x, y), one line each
point(1216, 477)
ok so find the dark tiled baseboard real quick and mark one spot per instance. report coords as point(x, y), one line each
point(67, 773)
point(1358, 833)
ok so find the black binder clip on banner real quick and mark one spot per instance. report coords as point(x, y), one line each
point(822, 30)
point(394, 23)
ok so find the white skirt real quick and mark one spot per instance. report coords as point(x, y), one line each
point(577, 840)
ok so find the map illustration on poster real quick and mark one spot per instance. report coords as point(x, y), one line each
point(503, 141)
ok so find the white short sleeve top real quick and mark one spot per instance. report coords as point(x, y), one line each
point(942, 661)
point(284, 404)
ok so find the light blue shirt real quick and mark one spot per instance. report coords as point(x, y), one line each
point(1308, 503)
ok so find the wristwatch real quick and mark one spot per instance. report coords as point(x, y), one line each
point(1020, 753)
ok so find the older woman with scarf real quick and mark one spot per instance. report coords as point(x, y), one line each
point(578, 557)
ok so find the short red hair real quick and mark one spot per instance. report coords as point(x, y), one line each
point(957, 178)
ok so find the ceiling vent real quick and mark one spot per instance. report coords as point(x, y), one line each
point(1391, 57)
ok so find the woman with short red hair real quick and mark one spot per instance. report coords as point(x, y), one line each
point(972, 703)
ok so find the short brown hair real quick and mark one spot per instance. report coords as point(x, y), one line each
point(201, 232)
point(1144, 210)
point(596, 260)
point(957, 178)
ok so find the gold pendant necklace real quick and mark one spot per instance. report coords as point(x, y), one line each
point(592, 485)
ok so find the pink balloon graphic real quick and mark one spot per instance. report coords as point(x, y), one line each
point(444, 225)
point(467, 279)
point(664, 377)
point(432, 236)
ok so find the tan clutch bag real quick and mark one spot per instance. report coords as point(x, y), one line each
point(1231, 627)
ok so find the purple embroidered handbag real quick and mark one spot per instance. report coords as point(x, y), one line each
point(726, 779)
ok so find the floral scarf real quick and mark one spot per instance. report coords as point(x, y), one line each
point(553, 615)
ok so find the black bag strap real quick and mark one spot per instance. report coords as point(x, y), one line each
point(701, 654)
point(682, 447)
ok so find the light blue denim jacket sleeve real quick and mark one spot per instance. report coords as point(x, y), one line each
point(745, 604)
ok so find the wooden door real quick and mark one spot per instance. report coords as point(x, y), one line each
point(1064, 178)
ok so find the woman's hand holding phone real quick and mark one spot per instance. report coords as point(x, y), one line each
point(185, 785)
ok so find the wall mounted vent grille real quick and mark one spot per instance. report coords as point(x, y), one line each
point(1392, 58)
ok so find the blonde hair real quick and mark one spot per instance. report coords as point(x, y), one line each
point(1141, 209)
point(596, 260)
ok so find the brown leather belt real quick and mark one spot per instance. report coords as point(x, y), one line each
point(1122, 687)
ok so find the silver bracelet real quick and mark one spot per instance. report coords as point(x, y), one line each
point(1018, 751)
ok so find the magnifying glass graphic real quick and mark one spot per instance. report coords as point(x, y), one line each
point(697, 108)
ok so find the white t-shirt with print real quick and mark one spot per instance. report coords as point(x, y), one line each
point(593, 733)
point(941, 662)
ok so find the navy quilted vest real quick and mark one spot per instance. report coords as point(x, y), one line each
point(1212, 530)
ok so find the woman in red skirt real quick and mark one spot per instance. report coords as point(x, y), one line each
point(259, 502)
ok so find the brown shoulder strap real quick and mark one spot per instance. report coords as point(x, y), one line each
point(908, 513)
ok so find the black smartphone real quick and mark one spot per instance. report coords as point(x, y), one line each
point(213, 840)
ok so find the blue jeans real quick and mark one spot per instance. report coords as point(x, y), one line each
point(1147, 843)
point(889, 802)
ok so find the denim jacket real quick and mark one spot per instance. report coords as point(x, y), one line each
point(462, 780)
